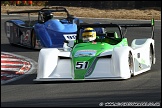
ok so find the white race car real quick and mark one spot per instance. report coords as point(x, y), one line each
point(108, 57)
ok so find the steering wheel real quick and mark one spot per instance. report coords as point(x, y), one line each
point(70, 18)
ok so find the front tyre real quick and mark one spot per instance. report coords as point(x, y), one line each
point(130, 63)
point(151, 56)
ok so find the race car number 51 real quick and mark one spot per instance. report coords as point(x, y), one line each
point(81, 65)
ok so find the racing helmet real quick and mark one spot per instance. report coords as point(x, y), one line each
point(47, 15)
point(89, 34)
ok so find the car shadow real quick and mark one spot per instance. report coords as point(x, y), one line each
point(16, 48)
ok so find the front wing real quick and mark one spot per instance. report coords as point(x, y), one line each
point(54, 65)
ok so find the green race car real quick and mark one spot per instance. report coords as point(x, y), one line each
point(108, 56)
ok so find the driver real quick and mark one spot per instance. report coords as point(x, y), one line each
point(47, 15)
point(89, 35)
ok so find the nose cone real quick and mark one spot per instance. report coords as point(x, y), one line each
point(84, 58)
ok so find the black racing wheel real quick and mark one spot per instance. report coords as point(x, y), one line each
point(151, 55)
point(130, 62)
point(33, 40)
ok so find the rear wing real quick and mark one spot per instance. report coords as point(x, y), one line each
point(119, 26)
point(141, 25)
point(52, 9)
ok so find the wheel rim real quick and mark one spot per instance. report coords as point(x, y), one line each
point(130, 62)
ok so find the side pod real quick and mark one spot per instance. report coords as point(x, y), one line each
point(120, 61)
point(47, 62)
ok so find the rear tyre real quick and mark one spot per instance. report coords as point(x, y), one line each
point(130, 62)
point(151, 56)
point(33, 40)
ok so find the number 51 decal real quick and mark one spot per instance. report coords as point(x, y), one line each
point(81, 65)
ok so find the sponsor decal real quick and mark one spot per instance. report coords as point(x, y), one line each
point(82, 53)
point(26, 37)
point(140, 66)
point(70, 36)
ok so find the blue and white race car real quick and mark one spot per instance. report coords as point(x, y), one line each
point(47, 31)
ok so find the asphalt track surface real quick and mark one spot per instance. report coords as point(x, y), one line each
point(144, 89)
